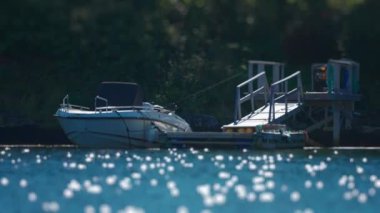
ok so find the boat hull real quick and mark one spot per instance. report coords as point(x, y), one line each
point(117, 129)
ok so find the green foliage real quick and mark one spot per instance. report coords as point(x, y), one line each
point(174, 49)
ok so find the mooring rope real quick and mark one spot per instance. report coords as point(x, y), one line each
point(126, 128)
point(210, 87)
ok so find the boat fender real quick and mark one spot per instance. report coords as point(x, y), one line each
point(152, 133)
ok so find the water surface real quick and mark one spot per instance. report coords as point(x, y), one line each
point(69, 179)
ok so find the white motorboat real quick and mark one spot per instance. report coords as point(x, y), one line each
point(119, 119)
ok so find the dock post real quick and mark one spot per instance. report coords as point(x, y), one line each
point(276, 76)
point(260, 68)
point(250, 85)
point(250, 74)
point(336, 124)
point(326, 111)
point(336, 86)
point(348, 114)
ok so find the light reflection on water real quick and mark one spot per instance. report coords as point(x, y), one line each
point(64, 179)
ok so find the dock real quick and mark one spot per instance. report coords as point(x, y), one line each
point(330, 100)
point(258, 140)
point(260, 103)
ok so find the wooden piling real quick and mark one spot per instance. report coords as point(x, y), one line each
point(336, 124)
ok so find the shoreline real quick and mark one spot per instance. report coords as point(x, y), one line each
point(31, 135)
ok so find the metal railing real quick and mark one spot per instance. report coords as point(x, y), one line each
point(285, 95)
point(251, 94)
point(65, 100)
point(101, 99)
point(66, 104)
point(116, 108)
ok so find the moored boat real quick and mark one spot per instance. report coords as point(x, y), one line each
point(274, 136)
point(119, 119)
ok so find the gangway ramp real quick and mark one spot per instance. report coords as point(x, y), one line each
point(260, 116)
point(277, 105)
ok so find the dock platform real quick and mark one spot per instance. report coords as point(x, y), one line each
point(259, 140)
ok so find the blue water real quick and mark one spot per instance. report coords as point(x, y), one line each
point(188, 180)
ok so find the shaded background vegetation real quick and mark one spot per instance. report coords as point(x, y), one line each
point(173, 48)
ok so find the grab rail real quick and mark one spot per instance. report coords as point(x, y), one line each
point(65, 100)
point(273, 99)
point(66, 104)
point(251, 95)
point(123, 107)
point(102, 99)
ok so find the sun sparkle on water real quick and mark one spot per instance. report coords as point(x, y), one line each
point(188, 180)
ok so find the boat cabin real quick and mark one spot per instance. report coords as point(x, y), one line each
point(118, 94)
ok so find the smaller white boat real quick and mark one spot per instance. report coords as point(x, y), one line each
point(119, 119)
point(277, 136)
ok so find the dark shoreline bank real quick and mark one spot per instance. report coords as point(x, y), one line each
point(34, 135)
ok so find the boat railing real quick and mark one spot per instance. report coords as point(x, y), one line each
point(113, 108)
point(101, 99)
point(65, 100)
point(298, 90)
point(251, 94)
point(66, 104)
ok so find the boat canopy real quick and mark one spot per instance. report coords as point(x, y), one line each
point(120, 94)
